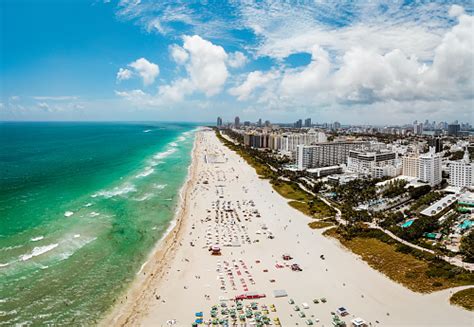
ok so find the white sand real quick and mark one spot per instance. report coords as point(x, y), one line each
point(190, 272)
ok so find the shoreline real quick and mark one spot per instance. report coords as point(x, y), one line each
point(152, 270)
point(229, 205)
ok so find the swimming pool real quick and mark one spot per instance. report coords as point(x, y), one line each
point(466, 224)
point(408, 223)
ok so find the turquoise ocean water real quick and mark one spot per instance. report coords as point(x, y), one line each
point(81, 206)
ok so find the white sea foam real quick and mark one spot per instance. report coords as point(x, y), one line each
point(73, 245)
point(181, 138)
point(159, 186)
point(173, 144)
point(38, 250)
point(94, 214)
point(68, 213)
point(77, 235)
point(38, 238)
point(119, 190)
point(146, 196)
point(164, 154)
point(88, 204)
point(2, 265)
point(147, 131)
point(147, 171)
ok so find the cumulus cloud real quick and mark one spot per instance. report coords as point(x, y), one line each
point(123, 74)
point(207, 69)
point(147, 70)
point(205, 65)
point(237, 59)
point(254, 80)
point(369, 75)
point(178, 54)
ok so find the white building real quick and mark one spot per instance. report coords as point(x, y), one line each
point(325, 154)
point(375, 163)
point(460, 172)
point(411, 165)
point(426, 167)
point(430, 167)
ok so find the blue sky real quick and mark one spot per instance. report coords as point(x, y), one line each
point(378, 62)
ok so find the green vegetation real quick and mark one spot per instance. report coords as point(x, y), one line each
point(417, 229)
point(467, 247)
point(418, 192)
point(394, 188)
point(464, 298)
point(419, 271)
point(320, 224)
point(283, 182)
point(357, 191)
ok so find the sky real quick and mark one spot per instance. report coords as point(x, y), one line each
point(356, 62)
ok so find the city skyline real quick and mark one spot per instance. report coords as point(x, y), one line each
point(371, 63)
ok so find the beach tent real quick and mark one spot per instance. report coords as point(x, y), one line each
point(358, 322)
point(280, 293)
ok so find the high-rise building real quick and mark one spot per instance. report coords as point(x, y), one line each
point(453, 129)
point(219, 121)
point(461, 172)
point(325, 154)
point(418, 129)
point(411, 165)
point(259, 123)
point(437, 143)
point(307, 122)
point(237, 122)
point(267, 123)
point(337, 125)
point(430, 167)
point(299, 123)
point(366, 162)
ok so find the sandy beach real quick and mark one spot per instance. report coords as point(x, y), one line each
point(225, 203)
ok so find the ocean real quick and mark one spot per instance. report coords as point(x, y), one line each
point(81, 207)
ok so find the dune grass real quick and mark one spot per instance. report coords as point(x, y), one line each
point(464, 298)
point(300, 200)
point(318, 224)
point(417, 271)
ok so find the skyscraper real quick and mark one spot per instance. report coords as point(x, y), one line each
point(259, 123)
point(237, 122)
point(437, 143)
point(307, 122)
point(453, 129)
point(219, 122)
point(299, 123)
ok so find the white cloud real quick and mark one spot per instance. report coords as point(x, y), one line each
point(123, 74)
point(44, 106)
point(254, 80)
point(313, 77)
point(368, 75)
point(237, 59)
point(456, 11)
point(148, 71)
point(205, 65)
point(178, 54)
point(177, 90)
point(207, 69)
